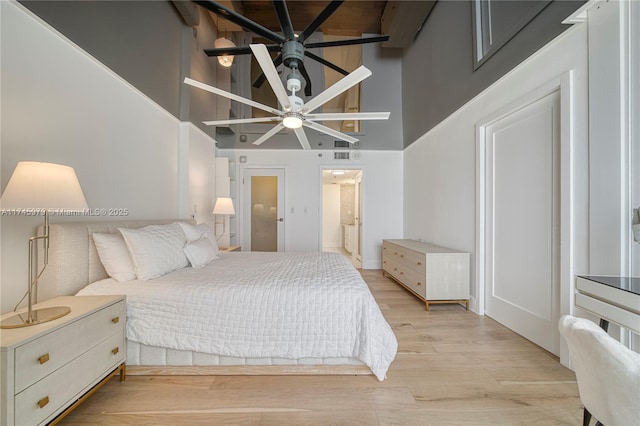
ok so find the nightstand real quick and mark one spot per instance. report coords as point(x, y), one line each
point(230, 248)
point(48, 369)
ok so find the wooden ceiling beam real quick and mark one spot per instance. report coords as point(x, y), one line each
point(402, 20)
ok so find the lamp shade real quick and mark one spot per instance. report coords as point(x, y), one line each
point(224, 205)
point(225, 60)
point(47, 186)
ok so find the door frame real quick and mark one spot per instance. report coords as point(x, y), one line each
point(323, 167)
point(563, 84)
point(242, 199)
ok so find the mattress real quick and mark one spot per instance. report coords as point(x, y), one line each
point(252, 305)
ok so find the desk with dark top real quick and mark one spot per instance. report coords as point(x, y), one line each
point(615, 299)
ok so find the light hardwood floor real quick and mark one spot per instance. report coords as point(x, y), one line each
point(452, 367)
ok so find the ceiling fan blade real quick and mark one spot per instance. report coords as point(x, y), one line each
point(284, 19)
point(341, 86)
point(239, 50)
point(231, 96)
point(241, 120)
point(270, 133)
point(302, 137)
point(325, 62)
point(305, 75)
point(329, 131)
point(261, 78)
point(348, 116)
point(324, 15)
point(221, 51)
point(264, 59)
point(347, 42)
point(238, 19)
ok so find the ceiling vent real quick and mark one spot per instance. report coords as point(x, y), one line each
point(341, 155)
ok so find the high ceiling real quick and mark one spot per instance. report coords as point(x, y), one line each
point(401, 20)
point(353, 18)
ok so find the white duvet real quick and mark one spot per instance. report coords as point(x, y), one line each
point(251, 304)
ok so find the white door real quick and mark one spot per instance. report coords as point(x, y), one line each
point(263, 210)
point(522, 190)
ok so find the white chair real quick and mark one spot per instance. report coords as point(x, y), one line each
point(608, 373)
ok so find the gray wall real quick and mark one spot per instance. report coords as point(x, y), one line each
point(139, 40)
point(147, 44)
point(380, 92)
point(437, 69)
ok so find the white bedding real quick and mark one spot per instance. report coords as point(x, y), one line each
point(251, 304)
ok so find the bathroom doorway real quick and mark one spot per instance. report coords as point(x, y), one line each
point(342, 213)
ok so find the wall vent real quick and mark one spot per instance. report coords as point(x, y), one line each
point(341, 155)
point(341, 144)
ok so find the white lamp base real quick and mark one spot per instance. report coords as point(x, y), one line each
point(38, 317)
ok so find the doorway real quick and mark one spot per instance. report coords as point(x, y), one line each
point(341, 222)
point(263, 210)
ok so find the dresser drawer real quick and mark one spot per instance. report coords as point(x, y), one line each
point(410, 258)
point(49, 392)
point(36, 359)
point(410, 278)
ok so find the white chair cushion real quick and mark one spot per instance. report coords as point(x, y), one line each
point(608, 373)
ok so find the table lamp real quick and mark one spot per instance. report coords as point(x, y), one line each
point(38, 189)
point(223, 206)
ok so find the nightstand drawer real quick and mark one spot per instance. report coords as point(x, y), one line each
point(44, 398)
point(40, 357)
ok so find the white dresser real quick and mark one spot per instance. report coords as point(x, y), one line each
point(47, 368)
point(434, 274)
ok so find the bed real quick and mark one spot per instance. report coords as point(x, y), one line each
point(242, 313)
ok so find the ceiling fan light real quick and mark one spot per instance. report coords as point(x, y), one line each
point(222, 43)
point(292, 122)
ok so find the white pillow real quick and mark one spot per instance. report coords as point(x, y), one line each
point(115, 257)
point(156, 249)
point(195, 232)
point(200, 252)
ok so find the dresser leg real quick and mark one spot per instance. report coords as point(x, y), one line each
point(426, 306)
point(123, 372)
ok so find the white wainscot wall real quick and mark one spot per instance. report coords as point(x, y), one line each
point(60, 105)
point(382, 195)
point(440, 167)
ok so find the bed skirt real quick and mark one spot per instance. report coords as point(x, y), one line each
point(151, 360)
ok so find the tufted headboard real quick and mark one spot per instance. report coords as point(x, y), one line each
point(73, 259)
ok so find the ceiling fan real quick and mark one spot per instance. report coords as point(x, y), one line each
point(292, 47)
point(294, 113)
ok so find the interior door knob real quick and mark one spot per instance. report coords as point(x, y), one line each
point(281, 219)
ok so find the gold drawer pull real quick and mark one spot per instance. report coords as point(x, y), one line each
point(419, 263)
point(44, 358)
point(115, 350)
point(395, 252)
point(402, 255)
point(44, 401)
point(419, 283)
point(115, 320)
point(401, 273)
